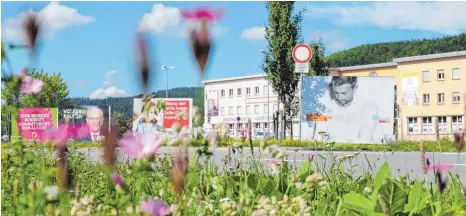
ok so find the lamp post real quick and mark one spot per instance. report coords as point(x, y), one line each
point(166, 69)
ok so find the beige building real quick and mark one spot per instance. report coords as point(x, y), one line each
point(430, 98)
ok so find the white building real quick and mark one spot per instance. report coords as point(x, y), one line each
point(243, 98)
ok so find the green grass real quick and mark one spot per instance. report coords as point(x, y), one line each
point(443, 145)
point(289, 192)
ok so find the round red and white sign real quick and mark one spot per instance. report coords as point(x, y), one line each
point(302, 53)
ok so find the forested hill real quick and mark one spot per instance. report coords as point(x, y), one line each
point(124, 105)
point(385, 52)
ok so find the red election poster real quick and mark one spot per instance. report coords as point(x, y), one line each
point(174, 106)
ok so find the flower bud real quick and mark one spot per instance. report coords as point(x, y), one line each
point(130, 210)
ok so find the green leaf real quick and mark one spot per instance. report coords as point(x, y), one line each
point(417, 199)
point(394, 197)
point(193, 179)
point(383, 175)
point(358, 203)
point(304, 171)
point(253, 181)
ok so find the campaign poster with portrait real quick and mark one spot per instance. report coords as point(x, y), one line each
point(348, 109)
point(212, 103)
point(158, 119)
point(93, 121)
point(409, 89)
point(31, 123)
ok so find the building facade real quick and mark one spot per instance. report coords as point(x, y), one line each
point(236, 100)
point(430, 93)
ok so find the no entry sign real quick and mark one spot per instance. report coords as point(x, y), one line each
point(302, 54)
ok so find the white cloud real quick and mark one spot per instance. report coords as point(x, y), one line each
point(111, 91)
point(443, 17)
point(109, 78)
point(334, 40)
point(53, 17)
point(160, 18)
point(254, 33)
point(163, 19)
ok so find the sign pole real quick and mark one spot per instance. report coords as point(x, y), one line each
point(302, 54)
point(300, 103)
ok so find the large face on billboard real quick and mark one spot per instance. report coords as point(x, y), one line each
point(154, 118)
point(94, 120)
point(348, 109)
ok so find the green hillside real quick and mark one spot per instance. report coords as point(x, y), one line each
point(385, 52)
point(124, 105)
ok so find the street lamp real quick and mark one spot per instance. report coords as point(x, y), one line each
point(166, 69)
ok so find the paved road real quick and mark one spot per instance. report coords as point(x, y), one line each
point(401, 163)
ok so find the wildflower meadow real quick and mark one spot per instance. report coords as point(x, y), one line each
point(50, 177)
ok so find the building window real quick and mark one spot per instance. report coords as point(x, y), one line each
point(230, 92)
point(248, 91)
point(426, 76)
point(230, 109)
point(222, 111)
point(257, 125)
point(412, 125)
point(256, 109)
point(426, 99)
point(266, 108)
point(256, 90)
point(222, 93)
point(426, 124)
point(266, 125)
point(238, 110)
point(456, 97)
point(396, 98)
point(457, 123)
point(248, 109)
point(266, 90)
point(441, 98)
point(440, 75)
point(455, 73)
point(238, 92)
point(232, 129)
point(275, 108)
point(442, 124)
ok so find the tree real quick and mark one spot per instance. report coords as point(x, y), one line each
point(318, 65)
point(125, 123)
point(282, 33)
point(54, 92)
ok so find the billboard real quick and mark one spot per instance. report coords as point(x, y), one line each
point(348, 109)
point(32, 123)
point(94, 119)
point(156, 119)
point(212, 103)
point(409, 89)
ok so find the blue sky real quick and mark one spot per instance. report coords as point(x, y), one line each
point(93, 43)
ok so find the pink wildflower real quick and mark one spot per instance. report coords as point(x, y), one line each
point(64, 132)
point(117, 179)
point(311, 156)
point(31, 85)
point(141, 145)
point(203, 13)
point(155, 207)
point(439, 167)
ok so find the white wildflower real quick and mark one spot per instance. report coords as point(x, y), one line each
point(51, 191)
